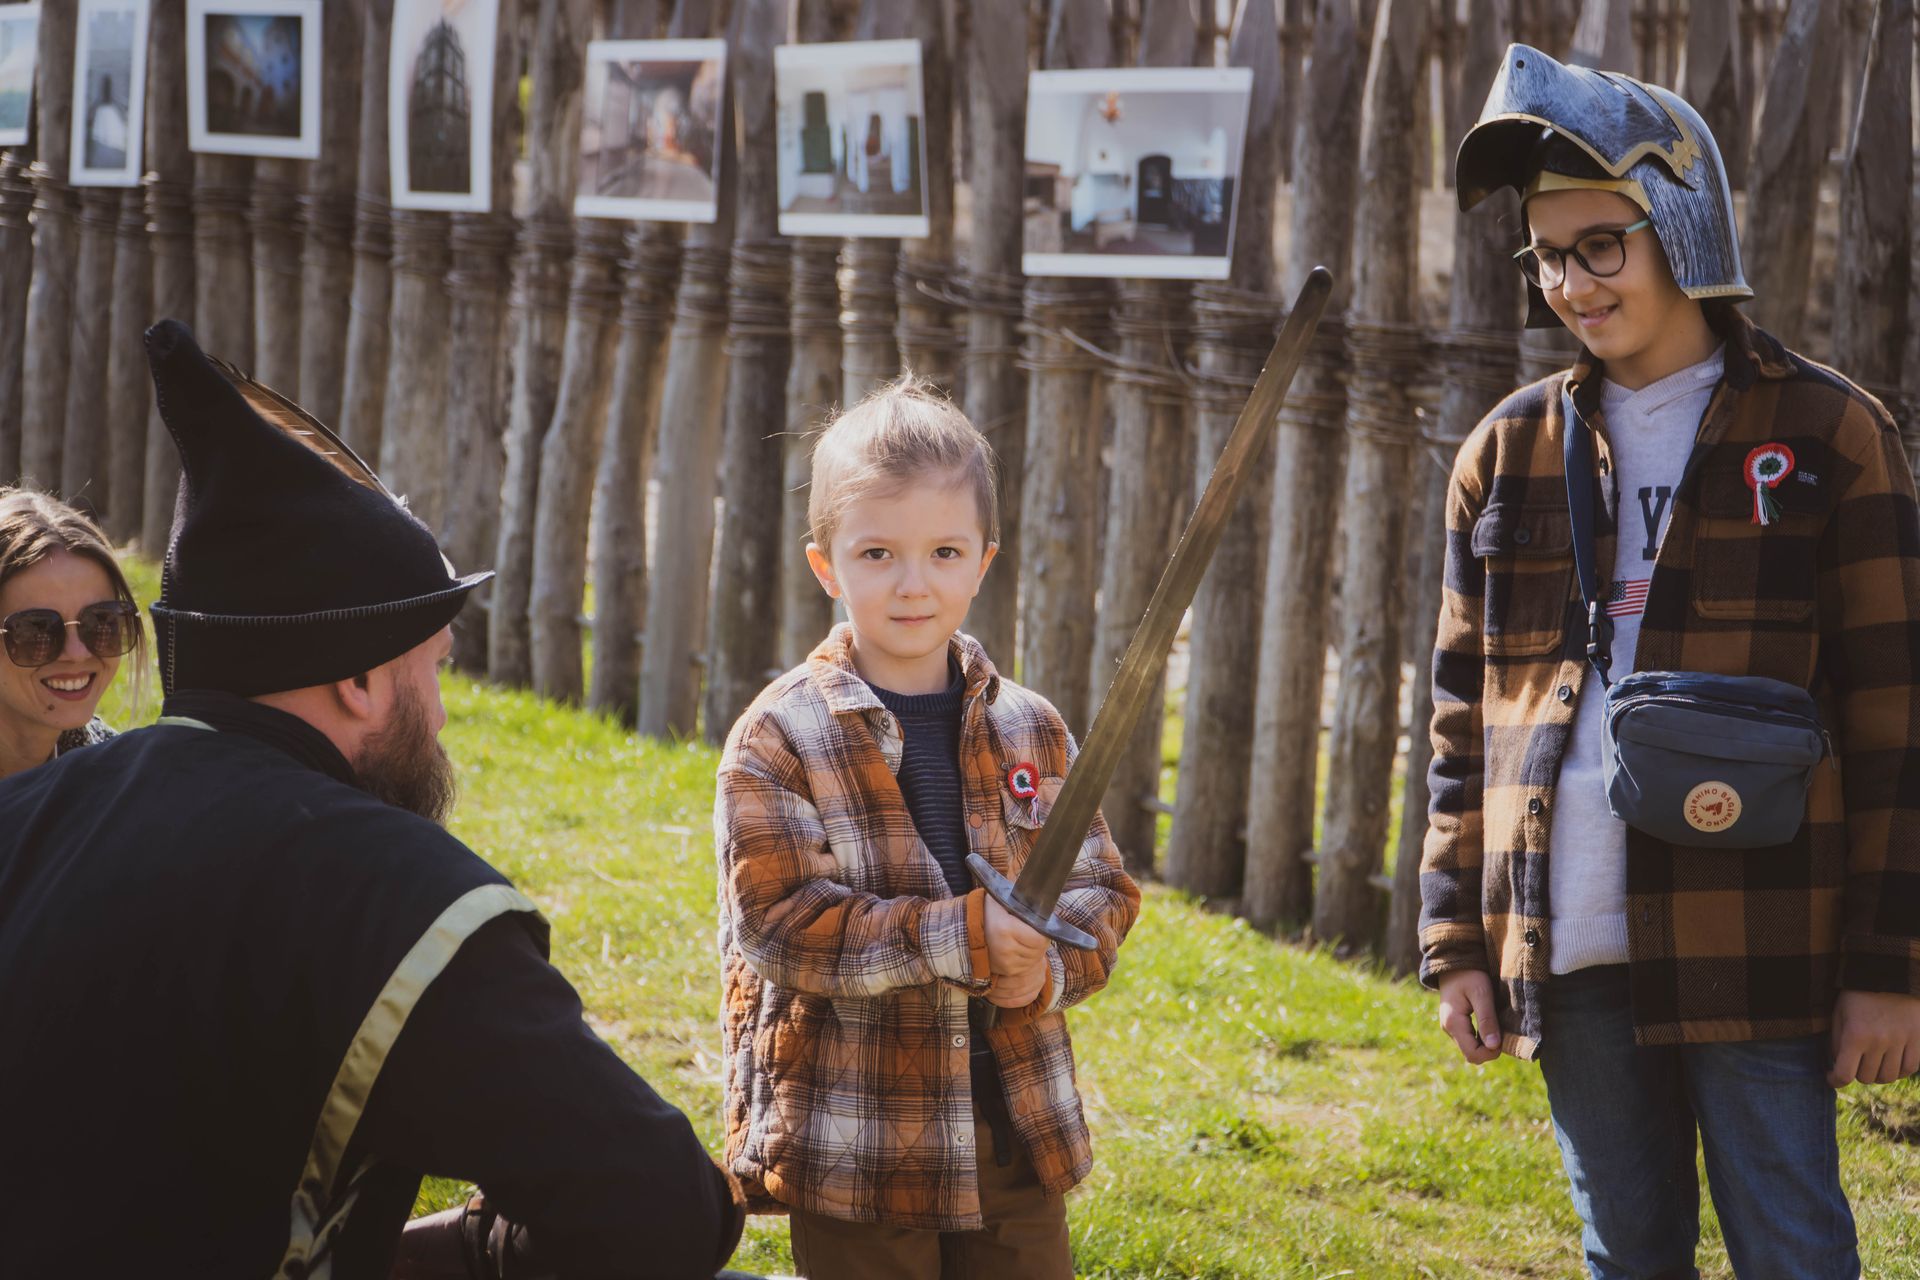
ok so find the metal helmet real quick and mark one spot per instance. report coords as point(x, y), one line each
point(1648, 145)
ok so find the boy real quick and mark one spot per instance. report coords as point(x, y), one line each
point(1665, 987)
point(903, 1141)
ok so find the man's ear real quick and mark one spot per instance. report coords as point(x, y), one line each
point(355, 696)
point(823, 569)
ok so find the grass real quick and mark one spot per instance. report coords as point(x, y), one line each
point(1258, 1110)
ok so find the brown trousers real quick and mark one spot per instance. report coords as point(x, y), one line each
point(1025, 1236)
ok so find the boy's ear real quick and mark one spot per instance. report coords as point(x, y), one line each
point(987, 558)
point(823, 569)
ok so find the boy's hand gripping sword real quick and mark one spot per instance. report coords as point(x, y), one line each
point(1045, 872)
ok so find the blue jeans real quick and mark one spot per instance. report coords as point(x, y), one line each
point(1625, 1119)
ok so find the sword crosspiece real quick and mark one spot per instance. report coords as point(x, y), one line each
point(1045, 872)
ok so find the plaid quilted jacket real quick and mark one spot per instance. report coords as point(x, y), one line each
point(1722, 944)
point(848, 962)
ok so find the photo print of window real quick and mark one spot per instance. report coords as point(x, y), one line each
point(1131, 173)
point(440, 104)
point(253, 77)
point(109, 93)
point(19, 52)
point(849, 123)
point(650, 130)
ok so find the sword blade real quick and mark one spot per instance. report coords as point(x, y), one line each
point(1058, 845)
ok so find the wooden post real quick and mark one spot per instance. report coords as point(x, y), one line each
point(1065, 411)
point(540, 323)
point(995, 386)
point(1478, 357)
point(480, 376)
point(129, 385)
point(273, 216)
point(1146, 484)
point(1233, 329)
point(684, 476)
point(1789, 159)
point(16, 277)
point(364, 382)
point(1309, 449)
point(926, 329)
point(743, 650)
point(50, 303)
point(83, 452)
point(1384, 345)
point(1712, 79)
point(1604, 36)
point(569, 443)
point(414, 406)
point(1876, 216)
point(169, 194)
point(223, 265)
point(326, 212)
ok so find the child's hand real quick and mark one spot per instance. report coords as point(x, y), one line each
point(1018, 990)
point(1013, 946)
point(1467, 1014)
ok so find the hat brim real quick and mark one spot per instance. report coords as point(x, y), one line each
point(250, 655)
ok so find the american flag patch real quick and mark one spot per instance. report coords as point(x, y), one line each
point(1627, 598)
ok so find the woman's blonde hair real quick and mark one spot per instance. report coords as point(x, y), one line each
point(905, 431)
point(34, 525)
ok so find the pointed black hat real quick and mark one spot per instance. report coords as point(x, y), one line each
point(290, 564)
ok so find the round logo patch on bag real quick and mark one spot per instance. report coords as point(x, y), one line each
point(1711, 807)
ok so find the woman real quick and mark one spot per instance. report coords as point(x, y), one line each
point(67, 617)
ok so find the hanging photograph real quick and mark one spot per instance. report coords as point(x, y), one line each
point(1131, 172)
point(650, 130)
point(19, 50)
point(440, 104)
point(849, 124)
point(253, 77)
point(109, 93)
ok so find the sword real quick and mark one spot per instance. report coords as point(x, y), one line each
point(1032, 899)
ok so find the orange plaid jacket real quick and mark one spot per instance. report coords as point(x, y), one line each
point(848, 964)
point(1722, 944)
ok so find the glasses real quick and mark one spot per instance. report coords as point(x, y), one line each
point(1599, 253)
point(35, 637)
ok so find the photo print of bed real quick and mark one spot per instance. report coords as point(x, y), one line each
point(253, 77)
point(1131, 173)
point(650, 130)
point(19, 53)
point(440, 104)
point(849, 121)
point(109, 93)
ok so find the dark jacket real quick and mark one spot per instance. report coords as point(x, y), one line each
point(196, 922)
point(1722, 944)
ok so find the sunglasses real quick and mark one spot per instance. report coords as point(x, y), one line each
point(35, 637)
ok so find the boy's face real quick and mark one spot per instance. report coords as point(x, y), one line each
point(908, 564)
point(1621, 318)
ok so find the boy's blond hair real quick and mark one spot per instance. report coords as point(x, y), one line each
point(905, 431)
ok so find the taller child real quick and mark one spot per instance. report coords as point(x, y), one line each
point(1667, 988)
point(860, 1096)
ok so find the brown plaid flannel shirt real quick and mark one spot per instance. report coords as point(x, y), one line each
point(848, 962)
point(1722, 944)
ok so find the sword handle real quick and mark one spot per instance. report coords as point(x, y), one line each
point(984, 1012)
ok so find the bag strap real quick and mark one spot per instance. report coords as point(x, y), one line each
point(1580, 489)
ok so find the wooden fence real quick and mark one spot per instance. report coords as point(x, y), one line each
point(576, 400)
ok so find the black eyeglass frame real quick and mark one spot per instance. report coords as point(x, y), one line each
point(119, 610)
point(1525, 252)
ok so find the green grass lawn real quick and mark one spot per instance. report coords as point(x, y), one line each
point(1258, 1110)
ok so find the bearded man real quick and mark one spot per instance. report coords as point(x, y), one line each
point(253, 990)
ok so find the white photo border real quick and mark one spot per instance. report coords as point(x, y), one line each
point(478, 197)
point(133, 170)
point(851, 54)
point(20, 13)
point(645, 209)
point(204, 141)
point(1128, 266)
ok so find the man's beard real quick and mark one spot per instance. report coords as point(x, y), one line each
point(404, 764)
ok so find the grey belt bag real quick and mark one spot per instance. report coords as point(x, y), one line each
point(1691, 758)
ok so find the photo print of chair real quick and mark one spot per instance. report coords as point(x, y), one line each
point(650, 128)
point(1136, 166)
